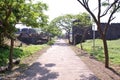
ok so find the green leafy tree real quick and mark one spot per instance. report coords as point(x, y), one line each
point(53, 29)
point(84, 22)
point(33, 14)
point(111, 8)
point(14, 12)
point(66, 21)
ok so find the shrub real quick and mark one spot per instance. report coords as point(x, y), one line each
point(51, 42)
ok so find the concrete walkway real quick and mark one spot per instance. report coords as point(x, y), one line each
point(58, 63)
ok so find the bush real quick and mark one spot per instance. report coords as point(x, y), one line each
point(51, 42)
point(3, 56)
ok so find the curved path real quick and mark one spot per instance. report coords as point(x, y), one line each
point(58, 63)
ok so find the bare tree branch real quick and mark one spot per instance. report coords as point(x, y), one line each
point(99, 10)
point(87, 8)
point(109, 7)
point(111, 17)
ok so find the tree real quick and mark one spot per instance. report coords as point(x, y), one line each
point(66, 21)
point(33, 14)
point(111, 9)
point(84, 22)
point(14, 12)
point(53, 29)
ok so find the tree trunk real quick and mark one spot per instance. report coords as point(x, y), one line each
point(83, 37)
point(81, 46)
point(69, 36)
point(1, 39)
point(105, 52)
point(103, 36)
point(10, 66)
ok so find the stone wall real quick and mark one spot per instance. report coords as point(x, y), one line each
point(113, 32)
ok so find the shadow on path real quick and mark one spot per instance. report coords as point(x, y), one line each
point(38, 72)
point(91, 77)
point(114, 71)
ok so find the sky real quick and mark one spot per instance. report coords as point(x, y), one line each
point(61, 7)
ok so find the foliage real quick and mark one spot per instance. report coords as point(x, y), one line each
point(14, 12)
point(66, 21)
point(21, 52)
point(113, 47)
point(53, 30)
point(3, 56)
point(34, 14)
point(84, 18)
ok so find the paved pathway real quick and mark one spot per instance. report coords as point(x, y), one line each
point(58, 63)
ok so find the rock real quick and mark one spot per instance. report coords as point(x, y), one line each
point(3, 69)
point(16, 62)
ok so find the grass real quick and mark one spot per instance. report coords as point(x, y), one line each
point(19, 52)
point(29, 50)
point(113, 48)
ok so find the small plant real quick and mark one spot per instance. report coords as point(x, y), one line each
point(51, 42)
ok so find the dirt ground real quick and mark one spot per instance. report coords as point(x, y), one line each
point(97, 67)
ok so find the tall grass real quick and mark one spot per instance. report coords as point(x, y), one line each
point(113, 48)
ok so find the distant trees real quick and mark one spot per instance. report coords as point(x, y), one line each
point(111, 8)
point(66, 21)
point(53, 29)
point(13, 12)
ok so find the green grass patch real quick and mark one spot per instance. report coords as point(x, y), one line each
point(19, 52)
point(113, 48)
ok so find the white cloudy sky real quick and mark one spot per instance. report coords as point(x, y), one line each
point(61, 7)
